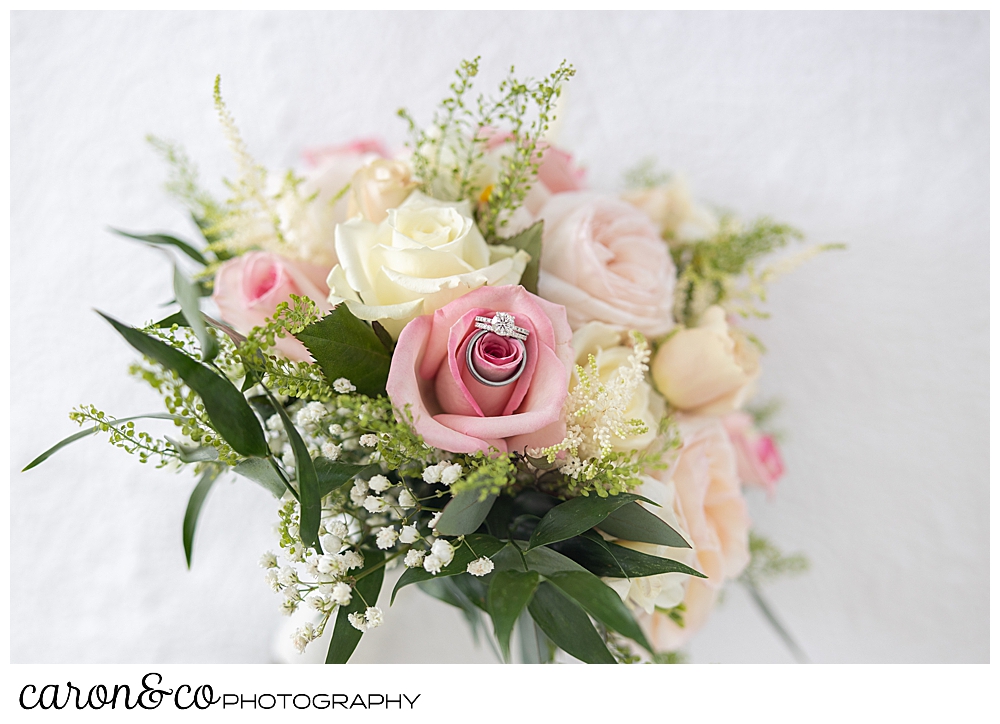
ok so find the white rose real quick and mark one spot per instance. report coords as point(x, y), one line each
point(426, 254)
point(708, 369)
point(607, 344)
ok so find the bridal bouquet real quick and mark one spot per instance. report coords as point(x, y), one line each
point(459, 361)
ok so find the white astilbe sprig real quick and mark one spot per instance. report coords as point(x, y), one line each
point(597, 413)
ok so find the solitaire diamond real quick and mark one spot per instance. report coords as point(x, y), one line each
point(503, 324)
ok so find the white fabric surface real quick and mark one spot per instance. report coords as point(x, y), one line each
point(871, 129)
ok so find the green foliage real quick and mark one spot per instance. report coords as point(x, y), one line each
point(367, 585)
point(448, 155)
point(707, 268)
point(509, 593)
point(195, 502)
point(670, 657)
point(122, 434)
point(767, 562)
point(568, 625)
point(465, 512)
point(609, 560)
point(346, 347)
point(530, 241)
point(644, 175)
point(635, 523)
point(183, 184)
point(165, 240)
point(469, 549)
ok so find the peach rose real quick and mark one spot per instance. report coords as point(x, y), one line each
point(758, 461)
point(714, 517)
point(603, 259)
point(249, 287)
point(307, 219)
point(378, 186)
point(430, 373)
point(708, 369)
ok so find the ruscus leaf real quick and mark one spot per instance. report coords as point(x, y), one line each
point(195, 502)
point(635, 523)
point(575, 516)
point(226, 407)
point(465, 513)
point(509, 593)
point(166, 240)
point(345, 637)
point(187, 295)
point(472, 547)
point(568, 625)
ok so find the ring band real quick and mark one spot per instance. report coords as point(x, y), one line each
point(478, 377)
point(502, 325)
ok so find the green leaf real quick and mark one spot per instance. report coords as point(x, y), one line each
point(547, 561)
point(601, 602)
point(226, 407)
point(575, 516)
point(509, 593)
point(383, 336)
point(609, 560)
point(177, 318)
point(508, 558)
point(165, 240)
point(345, 346)
point(196, 454)
point(195, 502)
point(332, 475)
point(481, 545)
point(465, 513)
point(345, 636)
point(187, 295)
point(307, 482)
point(90, 431)
point(529, 240)
point(568, 625)
point(635, 523)
point(262, 472)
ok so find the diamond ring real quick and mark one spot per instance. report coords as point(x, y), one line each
point(502, 325)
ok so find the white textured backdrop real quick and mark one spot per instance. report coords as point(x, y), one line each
point(871, 129)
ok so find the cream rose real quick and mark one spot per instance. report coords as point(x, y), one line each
point(608, 345)
point(706, 369)
point(425, 254)
point(604, 260)
point(672, 209)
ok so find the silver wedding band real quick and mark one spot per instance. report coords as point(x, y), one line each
point(472, 367)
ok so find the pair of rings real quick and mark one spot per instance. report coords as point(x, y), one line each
point(502, 325)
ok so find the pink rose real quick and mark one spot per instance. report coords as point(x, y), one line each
point(758, 461)
point(714, 515)
point(453, 410)
point(604, 260)
point(249, 287)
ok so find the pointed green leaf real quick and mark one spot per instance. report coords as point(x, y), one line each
point(262, 472)
point(529, 240)
point(165, 240)
point(465, 513)
point(509, 593)
point(635, 523)
point(187, 295)
point(609, 560)
point(345, 346)
point(575, 516)
point(193, 454)
point(195, 502)
point(332, 474)
point(601, 602)
point(473, 547)
point(383, 336)
point(177, 318)
point(568, 625)
point(227, 409)
point(547, 561)
point(345, 636)
point(307, 482)
point(90, 431)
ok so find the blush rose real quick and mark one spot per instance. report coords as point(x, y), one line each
point(604, 260)
point(452, 410)
point(248, 288)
